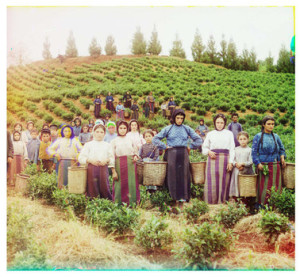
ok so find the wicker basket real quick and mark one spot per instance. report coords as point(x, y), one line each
point(139, 169)
point(21, 182)
point(289, 175)
point(198, 172)
point(247, 185)
point(156, 104)
point(154, 173)
point(77, 179)
point(151, 115)
point(126, 114)
point(92, 108)
point(168, 113)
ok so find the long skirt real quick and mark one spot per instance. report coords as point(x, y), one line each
point(120, 114)
point(63, 165)
point(97, 182)
point(97, 110)
point(135, 115)
point(127, 104)
point(217, 178)
point(126, 188)
point(178, 178)
point(266, 182)
point(16, 167)
point(110, 106)
point(147, 110)
point(151, 104)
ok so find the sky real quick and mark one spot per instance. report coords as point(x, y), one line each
point(265, 29)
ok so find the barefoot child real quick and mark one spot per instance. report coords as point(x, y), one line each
point(98, 155)
point(66, 150)
point(20, 159)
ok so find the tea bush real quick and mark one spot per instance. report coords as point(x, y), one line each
point(231, 214)
point(153, 234)
point(283, 202)
point(197, 191)
point(197, 208)
point(203, 244)
point(272, 224)
point(111, 217)
point(161, 199)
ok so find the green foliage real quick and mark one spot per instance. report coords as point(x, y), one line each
point(138, 43)
point(110, 48)
point(203, 244)
point(196, 209)
point(283, 201)
point(154, 47)
point(231, 214)
point(71, 50)
point(94, 48)
point(42, 186)
point(196, 156)
point(273, 224)
point(197, 191)
point(177, 49)
point(111, 217)
point(63, 199)
point(31, 169)
point(161, 199)
point(153, 234)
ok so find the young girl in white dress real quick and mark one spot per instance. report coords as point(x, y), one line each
point(134, 134)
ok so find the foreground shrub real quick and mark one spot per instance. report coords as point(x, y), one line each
point(161, 199)
point(197, 208)
point(203, 244)
point(283, 202)
point(153, 234)
point(231, 214)
point(197, 191)
point(111, 217)
point(63, 199)
point(272, 224)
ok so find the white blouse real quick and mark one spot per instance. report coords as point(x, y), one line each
point(136, 138)
point(219, 140)
point(123, 146)
point(20, 148)
point(23, 137)
point(97, 150)
point(66, 148)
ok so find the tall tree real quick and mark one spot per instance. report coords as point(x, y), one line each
point(245, 60)
point(197, 47)
point(177, 50)
point(223, 51)
point(94, 48)
point(46, 51)
point(154, 47)
point(253, 60)
point(269, 62)
point(110, 48)
point(232, 56)
point(211, 51)
point(139, 45)
point(283, 63)
point(71, 50)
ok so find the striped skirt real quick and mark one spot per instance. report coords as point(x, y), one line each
point(126, 188)
point(16, 167)
point(266, 182)
point(97, 182)
point(120, 114)
point(62, 176)
point(217, 178)
point(178, 177)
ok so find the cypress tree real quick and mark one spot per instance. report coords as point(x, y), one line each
point(197, 47)
point(177, 50)
point(46, 51)
point(71, 50)
point(94, 48)
point(110, 48)
point(138, 43)
point(154, 47)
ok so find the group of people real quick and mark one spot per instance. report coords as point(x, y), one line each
point(127, 103)
point(113, 148)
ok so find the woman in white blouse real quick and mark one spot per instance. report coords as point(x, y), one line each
point(219, 146)
point(98, 155)
point(134, 134)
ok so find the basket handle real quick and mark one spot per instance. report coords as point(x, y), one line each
point(74, 164)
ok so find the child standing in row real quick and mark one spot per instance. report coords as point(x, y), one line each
point(135, 111)
point(99, 156)
point(134, 134)
point(120, 111)
point(77, 127)
point(111, 134)
point(125, 186)
point(44, 156)
point(23, 137)
point(30, 126)
point(20, 159)
point(66, 150)
point(33, 146)
point(85, 136)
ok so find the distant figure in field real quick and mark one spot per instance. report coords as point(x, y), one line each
point(235, 128)
point(110, 102)
point(171, 105)
point(203, 129)
point(151, 100)
point(135, 111)
point(127, 100)
point(97, 103)
point(120, 111)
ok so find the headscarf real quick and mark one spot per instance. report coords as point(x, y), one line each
point(14, 135)
point(129, 125)
point(119, 123)
point(110, 123)
point(99, 121)
point(97, 126)
point(261, 141)
point(17, 125)
point(220, 115)
point(62, 131)
point(175, 113)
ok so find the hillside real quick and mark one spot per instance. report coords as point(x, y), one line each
point(57, 92)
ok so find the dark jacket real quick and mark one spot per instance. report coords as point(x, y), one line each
point(10, 147)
